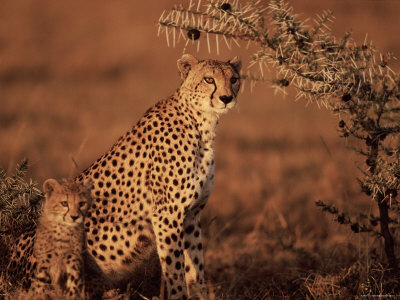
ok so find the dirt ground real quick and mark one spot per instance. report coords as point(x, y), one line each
point(75, 75)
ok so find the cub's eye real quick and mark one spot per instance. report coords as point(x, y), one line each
point(209, 80)
point(81, 204)
point(234, 80)
point(64, 203)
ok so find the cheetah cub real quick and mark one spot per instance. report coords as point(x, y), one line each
point(60, 241)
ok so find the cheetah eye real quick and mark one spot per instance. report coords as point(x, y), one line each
point(209, 80)
point(64, 203)
point(81, 204)
point(234, 80)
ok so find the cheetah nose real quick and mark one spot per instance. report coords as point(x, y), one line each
point(226, 99)
point(74, 218)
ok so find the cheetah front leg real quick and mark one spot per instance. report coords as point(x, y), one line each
point(194, 258)
point(168, 227)
point(41, 284)
point(73, 285)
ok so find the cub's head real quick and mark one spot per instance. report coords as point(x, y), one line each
point(210, 85)
point(66, 203)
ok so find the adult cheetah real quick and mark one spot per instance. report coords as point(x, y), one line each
point(149, 189)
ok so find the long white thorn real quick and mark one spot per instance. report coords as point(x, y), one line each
point(167, 36)
point(261, 69)
point(217, 43)
point(365, 39)
point(185, 47)
point(178, 16)
point(208, 43)
point(181, 34)
point(226, 42)
point(173, 37)
point(187, 20)
point(208, 8)
point(159, 30)
point(236, 42)
point(390, 70)
point(207, 25)
point(161, 17)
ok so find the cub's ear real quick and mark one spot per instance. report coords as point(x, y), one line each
point(185, 64)
point(88, 185)
point(49, 186)
point(85, 190)
point(236, 63)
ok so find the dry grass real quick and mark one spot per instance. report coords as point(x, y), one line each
point(75, 76)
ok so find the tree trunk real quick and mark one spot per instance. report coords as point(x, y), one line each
point(389, 243)
point(383, 212)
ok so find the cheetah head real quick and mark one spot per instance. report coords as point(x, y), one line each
point(66, 203)
point(210, 86)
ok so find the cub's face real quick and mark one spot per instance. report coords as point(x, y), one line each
point(211, 86)
point(67, 203)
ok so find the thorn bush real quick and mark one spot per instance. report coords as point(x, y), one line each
point(20, 207)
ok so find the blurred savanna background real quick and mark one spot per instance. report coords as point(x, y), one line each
point(75, 75)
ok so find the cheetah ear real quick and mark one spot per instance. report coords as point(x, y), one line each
point(236, 63)
point(185, 64)
point(49, 186)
